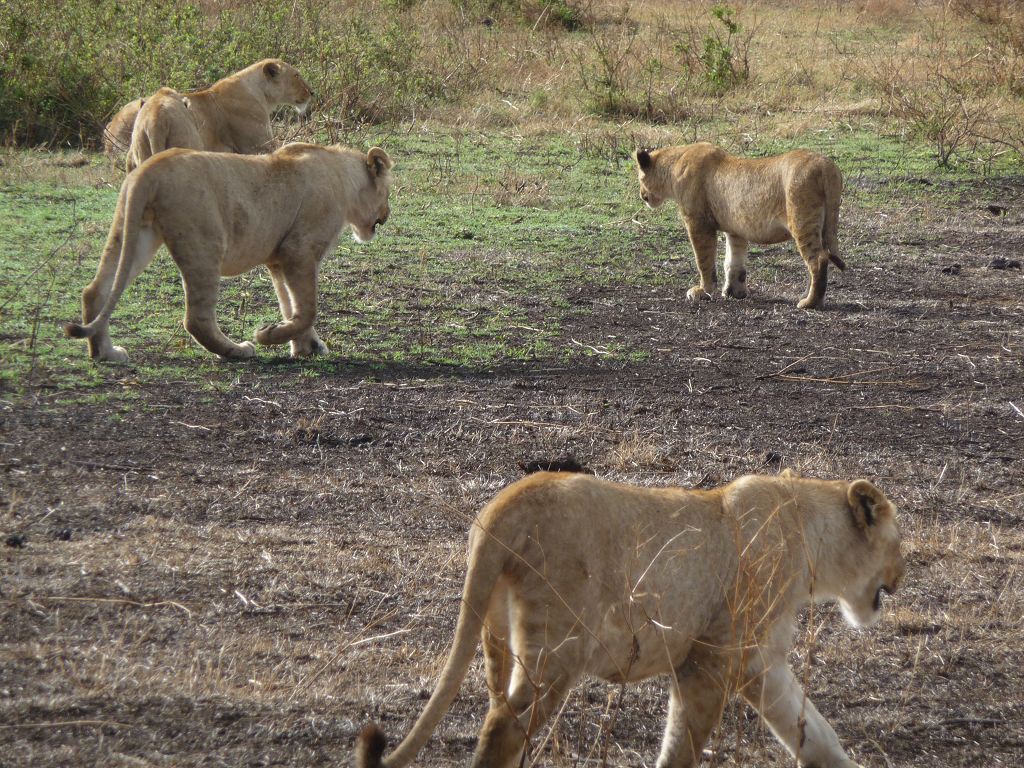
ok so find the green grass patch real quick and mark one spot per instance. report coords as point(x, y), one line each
point(493, 239)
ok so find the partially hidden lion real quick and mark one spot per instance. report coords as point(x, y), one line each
point(570, 575)
point(224, 214)
point(232, 115)
point(795, 196)
point(117, 135)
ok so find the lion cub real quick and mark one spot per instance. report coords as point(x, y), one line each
point(224, 214)
point(570, 575)
point(765, 200)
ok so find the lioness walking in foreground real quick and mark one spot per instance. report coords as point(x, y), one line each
point(571, 575)
point(765, 200)
point(224, 214)
point(232, 115)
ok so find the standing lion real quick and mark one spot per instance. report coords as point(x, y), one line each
point(572, 576)
point(223, 214)
point(232, 115)
point(794, 196)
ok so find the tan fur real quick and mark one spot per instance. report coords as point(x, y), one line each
point(224, 214)
point(752, 200)
point(571, 575)
point(232, 115)
point(117, 135)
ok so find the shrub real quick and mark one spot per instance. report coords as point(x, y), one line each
point(66, 67)
point(706, 59)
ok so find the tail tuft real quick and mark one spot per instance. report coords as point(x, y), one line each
point(76, 331)
point(370, 747)
point(837, 261)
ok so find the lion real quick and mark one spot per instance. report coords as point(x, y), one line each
point(569, 575)
point(795, 196)
point(224, 214)
point(117, 135)
point(232, 115)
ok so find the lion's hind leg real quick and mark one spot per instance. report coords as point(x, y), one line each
point(95, 295)
point(498, 658)
point(202, 284)
point(807, 231)
point(538, 679)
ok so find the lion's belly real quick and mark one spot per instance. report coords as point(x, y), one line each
point(761, 232)
point(238, 263)
point(633, 645)
point(249, 246)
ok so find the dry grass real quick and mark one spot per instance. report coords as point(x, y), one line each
point(947, 73)
point(890, 64)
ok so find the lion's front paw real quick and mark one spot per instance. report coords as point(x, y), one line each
point(735, 291)
point(698, 293)
point(263, 333)
point(308, 348)
point(244, 351)
point(809, 303)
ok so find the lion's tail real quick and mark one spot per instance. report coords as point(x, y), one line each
point(830, 228)
point(134, 198)
point(487, 561)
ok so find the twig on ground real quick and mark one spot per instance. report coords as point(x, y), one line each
point(122, 601)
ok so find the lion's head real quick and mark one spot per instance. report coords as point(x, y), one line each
point(373, 209)
point(874, 553)
point(652, 184)
point(284, 85)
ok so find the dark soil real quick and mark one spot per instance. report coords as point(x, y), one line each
point(246, 578)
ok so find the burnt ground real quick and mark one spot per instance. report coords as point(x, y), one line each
point(245, 577)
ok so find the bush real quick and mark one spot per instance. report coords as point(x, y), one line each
point(66, 67)
point(707, 58)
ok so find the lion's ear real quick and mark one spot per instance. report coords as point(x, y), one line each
point(378, 161)
point(271, 69)
point(643, 159)
point(866, 503)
